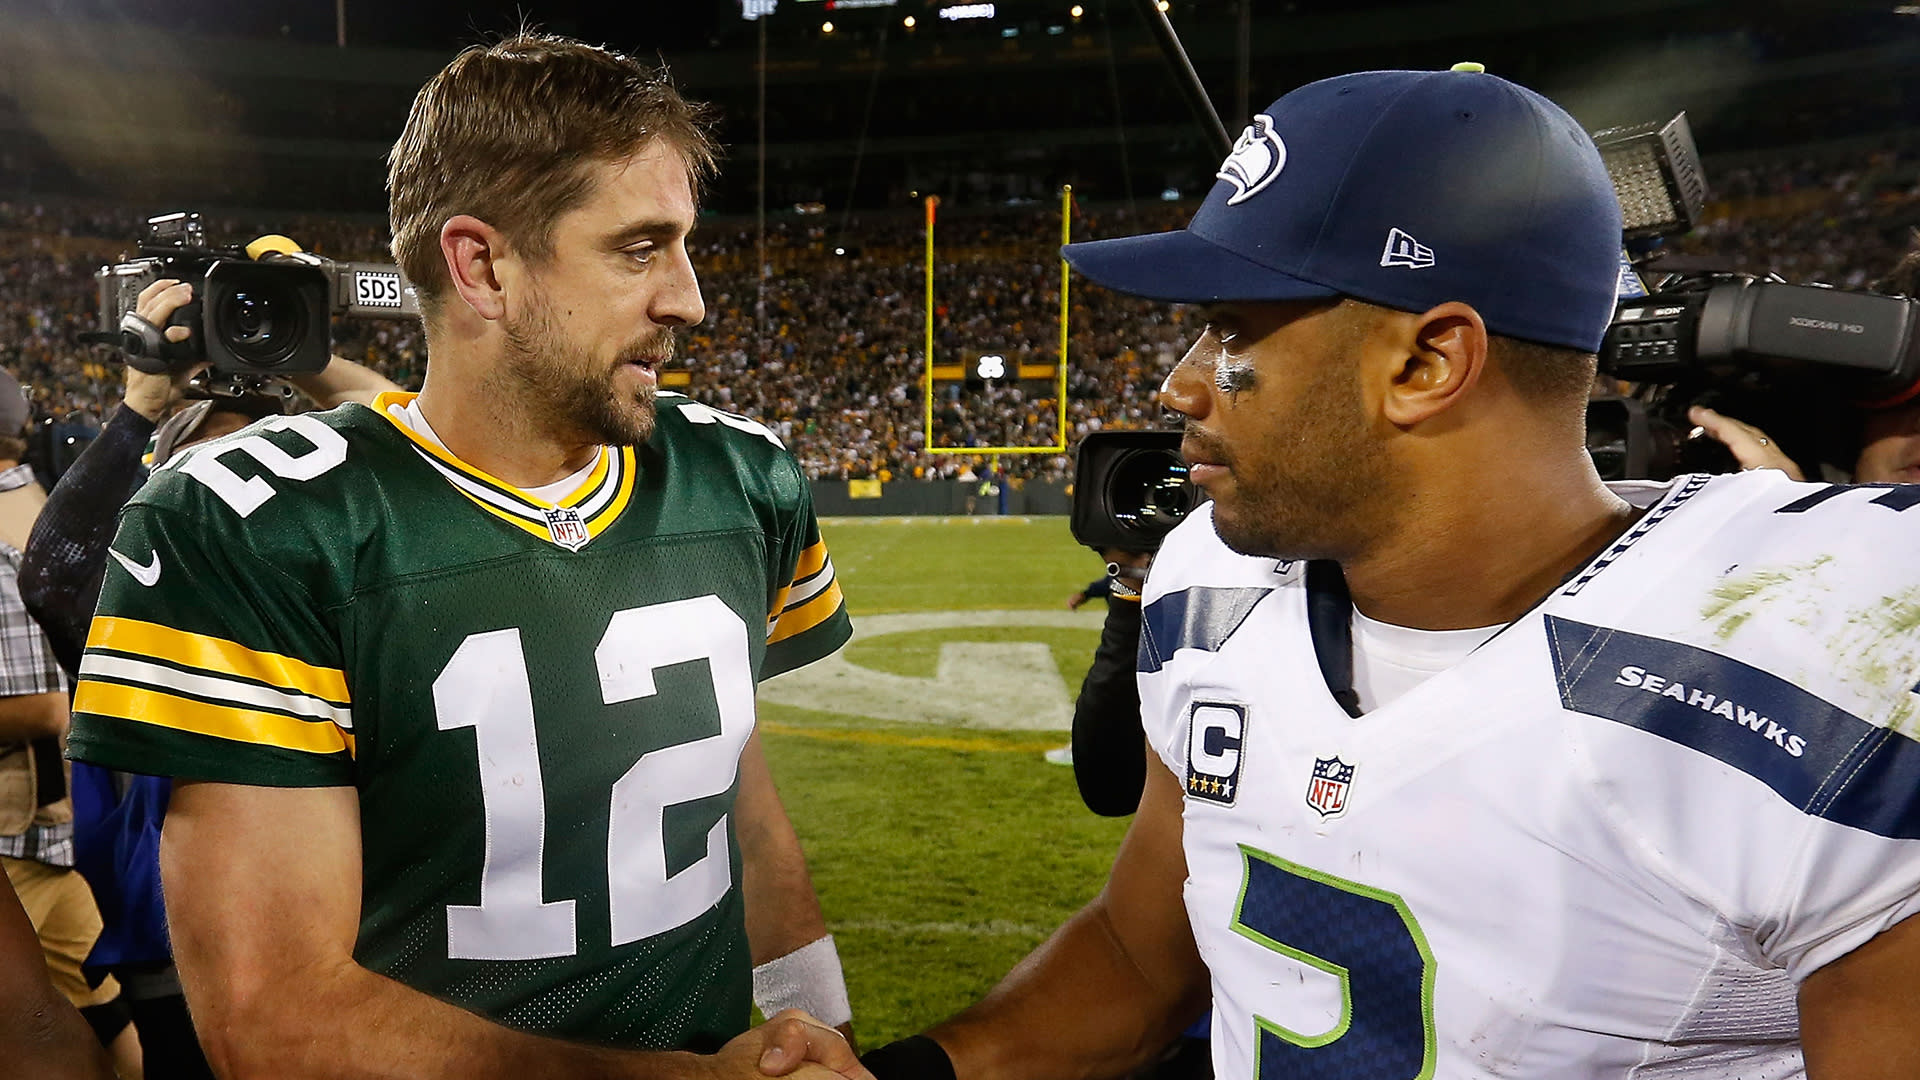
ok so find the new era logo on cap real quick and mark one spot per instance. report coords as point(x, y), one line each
point(1404, 250)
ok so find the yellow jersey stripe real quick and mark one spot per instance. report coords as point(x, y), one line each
point(808, 615)
point(593, 481)
point(216, 656)
point(511, 519)
point(595, 526)
point(779, 605)
point(629, 467)
point(219, 721)
point(811, 560)
point(481, 476)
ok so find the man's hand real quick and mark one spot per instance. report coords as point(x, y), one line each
point(1751, 447)
point(343, 381)
point(792, 1043)
point(153, 396)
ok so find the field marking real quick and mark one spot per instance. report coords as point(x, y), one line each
point(902, 928)
point(917, 742)
point(1023, 690)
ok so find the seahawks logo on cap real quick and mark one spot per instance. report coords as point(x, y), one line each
point(1258, 156)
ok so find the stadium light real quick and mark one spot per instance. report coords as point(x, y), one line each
point(1655, 170)
point(909, 22)
point(1164, 6)
point(826, 28)
point(1076, 11)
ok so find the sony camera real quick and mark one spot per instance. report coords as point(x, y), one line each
point(1796, 358)
point(261, 311)
point(1799, 360)
point(1130, 488)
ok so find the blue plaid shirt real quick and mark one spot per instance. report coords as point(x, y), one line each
point(27, 666)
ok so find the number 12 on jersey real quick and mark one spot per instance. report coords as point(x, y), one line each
point(485, 687)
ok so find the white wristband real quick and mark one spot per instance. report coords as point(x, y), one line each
point(809, 979)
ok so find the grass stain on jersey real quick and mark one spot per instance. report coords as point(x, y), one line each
point(1737, 599)
point(1880, 646)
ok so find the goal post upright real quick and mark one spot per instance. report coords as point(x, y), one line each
point(1066, 237)
point(926, 376)
point(1060, 367)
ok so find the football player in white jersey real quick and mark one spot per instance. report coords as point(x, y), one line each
point(1468, 764)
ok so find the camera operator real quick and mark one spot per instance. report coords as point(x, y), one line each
point(67, 554)
point(1108, 749)
point(118, 815)
point(1889, 437)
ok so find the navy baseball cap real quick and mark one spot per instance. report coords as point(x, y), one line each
point(1405, 189)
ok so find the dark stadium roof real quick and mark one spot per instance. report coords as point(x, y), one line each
point(674, 25)
point(249, 102)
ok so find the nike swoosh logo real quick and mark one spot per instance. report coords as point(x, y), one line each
point(148, 575)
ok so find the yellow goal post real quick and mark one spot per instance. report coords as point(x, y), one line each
point(1060, 368)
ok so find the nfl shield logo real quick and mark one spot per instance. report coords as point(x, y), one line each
point(1327, 791)
point(565, 528)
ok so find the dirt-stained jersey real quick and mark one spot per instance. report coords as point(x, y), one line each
point(542, 706)
point(1611, 842)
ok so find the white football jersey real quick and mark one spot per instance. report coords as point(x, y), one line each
point(1609, 843)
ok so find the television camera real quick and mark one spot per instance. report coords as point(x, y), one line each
point(258, 313)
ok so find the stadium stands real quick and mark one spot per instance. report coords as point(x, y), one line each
point(833, 363)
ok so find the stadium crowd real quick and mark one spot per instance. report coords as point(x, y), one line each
point(829, 350)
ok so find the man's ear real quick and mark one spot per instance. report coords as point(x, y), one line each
point(1443, 358)
point(471, 248)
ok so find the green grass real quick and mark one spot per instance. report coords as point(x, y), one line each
point(941, 856)
point(918, 653)
point(957, 564)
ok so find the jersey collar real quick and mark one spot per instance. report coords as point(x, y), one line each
point(572, 523)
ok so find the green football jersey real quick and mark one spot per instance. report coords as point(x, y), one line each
point(542, 706)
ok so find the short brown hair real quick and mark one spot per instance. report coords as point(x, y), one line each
point(508, 132)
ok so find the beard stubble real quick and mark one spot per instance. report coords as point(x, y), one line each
point(1310, 494)
point(567, 391)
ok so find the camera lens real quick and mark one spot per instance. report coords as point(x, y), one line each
point(262, 324)
point(1148, 491)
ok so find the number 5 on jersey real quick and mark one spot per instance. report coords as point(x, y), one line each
point(485, 687)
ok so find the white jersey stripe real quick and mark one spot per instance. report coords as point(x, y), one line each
point(229, 691)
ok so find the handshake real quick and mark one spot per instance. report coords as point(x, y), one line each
point(791, 1043)
point(796, 1044)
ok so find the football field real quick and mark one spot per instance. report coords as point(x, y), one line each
point(942, 845)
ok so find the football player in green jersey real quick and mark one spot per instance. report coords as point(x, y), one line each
point(459, 688)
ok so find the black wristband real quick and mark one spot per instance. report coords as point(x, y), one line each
point(915, 1057)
